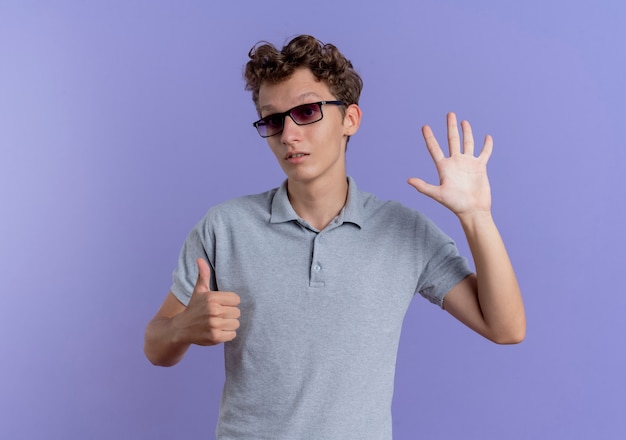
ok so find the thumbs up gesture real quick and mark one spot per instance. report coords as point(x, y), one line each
point(211, 317)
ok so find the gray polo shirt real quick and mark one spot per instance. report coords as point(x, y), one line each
point(321, 311)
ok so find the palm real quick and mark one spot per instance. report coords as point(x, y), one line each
point(463, 184)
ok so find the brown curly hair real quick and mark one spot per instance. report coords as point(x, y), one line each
point(268, 64)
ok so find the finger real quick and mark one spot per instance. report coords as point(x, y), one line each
point(204, 275)
point(227, 336)
point(229, 312)
point(226, 325)
point(485, 154)
point(219, 336)
point(454, 142)
point(230, 299)
point(431, 143)
point(468, 138)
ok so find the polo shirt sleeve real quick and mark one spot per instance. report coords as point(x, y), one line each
point(443, 267)
point(198, 244)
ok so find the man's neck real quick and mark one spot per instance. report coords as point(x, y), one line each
point(318, 202)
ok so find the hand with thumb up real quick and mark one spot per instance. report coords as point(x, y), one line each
point(211, 317)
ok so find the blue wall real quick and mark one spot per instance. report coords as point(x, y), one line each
point(122, 122)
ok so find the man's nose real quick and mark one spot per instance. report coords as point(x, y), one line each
point(291, 130)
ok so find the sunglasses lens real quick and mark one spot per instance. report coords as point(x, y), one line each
point(307, 113)
point(270, 125)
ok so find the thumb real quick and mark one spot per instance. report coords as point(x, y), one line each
point(423, 187)
point(204, 275)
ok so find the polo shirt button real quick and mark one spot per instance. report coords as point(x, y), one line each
point(317, 268)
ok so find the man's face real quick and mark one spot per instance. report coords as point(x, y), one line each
point(308, 153)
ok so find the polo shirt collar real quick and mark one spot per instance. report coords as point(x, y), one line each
point(352, 212)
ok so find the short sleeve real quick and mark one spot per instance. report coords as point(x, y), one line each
point(444, 270)
point(198, 244)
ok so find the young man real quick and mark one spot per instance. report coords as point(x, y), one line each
point(307, 284)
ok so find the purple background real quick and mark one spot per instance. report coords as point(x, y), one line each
point(122, 122)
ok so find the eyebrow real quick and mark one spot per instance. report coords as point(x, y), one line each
point(301, 98)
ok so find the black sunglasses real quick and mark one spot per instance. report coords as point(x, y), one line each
point(302, 115)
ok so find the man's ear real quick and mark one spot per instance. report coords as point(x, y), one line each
point(352, 119)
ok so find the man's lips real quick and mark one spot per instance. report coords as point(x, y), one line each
point(295, 155)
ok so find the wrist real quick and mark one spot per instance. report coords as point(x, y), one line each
point(475, 219)
point(177, 330)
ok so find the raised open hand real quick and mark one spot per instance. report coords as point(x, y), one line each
point(463, 184)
